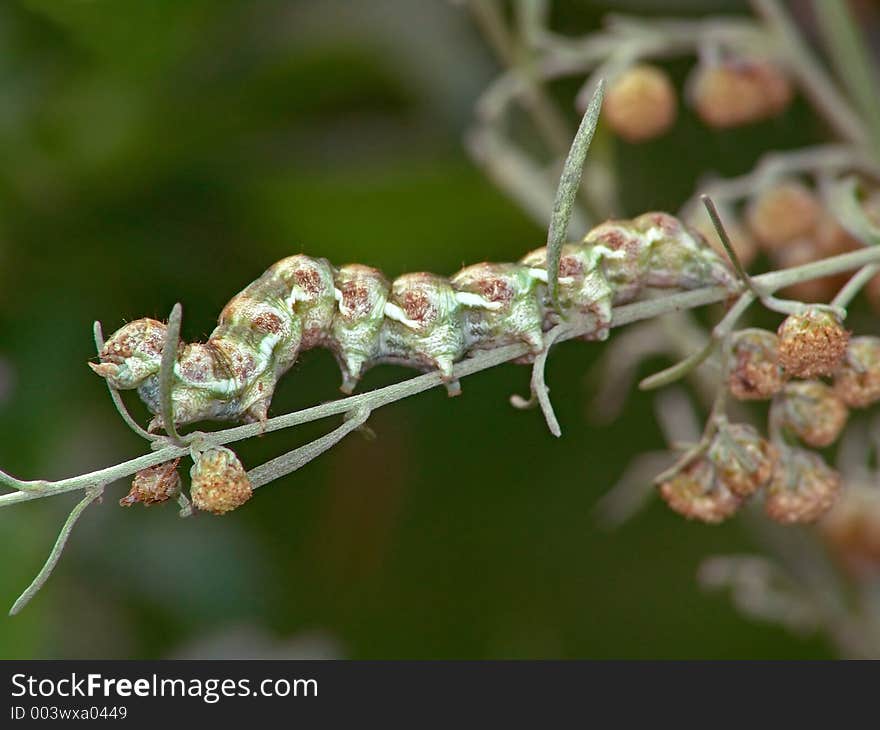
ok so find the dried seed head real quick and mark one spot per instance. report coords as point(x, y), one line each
point(811, 344)
point(738, 91)
point(802, 489)
point(813, 411)
point(640, 104)
point(219, 483)
point(782, 214)
point(852, 529)
point(857, 381)
point(754, 371)
point(154, 484)
point(695, 493)
point(743, 459)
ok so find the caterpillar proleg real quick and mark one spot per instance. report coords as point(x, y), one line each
point(420, 320)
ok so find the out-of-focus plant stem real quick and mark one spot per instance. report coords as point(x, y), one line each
point(855, 67)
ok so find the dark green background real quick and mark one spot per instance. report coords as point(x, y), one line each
point(162, 150)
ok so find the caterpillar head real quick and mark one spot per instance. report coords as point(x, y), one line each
point(132, 354)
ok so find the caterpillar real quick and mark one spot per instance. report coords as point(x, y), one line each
point(420, 320)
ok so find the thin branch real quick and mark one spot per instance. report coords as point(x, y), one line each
point(680, 369)
point(114, 394)
point(648, 309)
point(855, 285)
point(293, 460)
point(569, 183)
point(719, 332)
point(540, 391)
point(55, 554)
point(774, 166)
point(728, 246)
point(852, 59)
point(811, 74)
point(842, 198)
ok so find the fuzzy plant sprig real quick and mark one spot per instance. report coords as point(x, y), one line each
point(222, 484)
point(795, 208)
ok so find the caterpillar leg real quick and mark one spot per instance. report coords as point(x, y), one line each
point(422, 325)
point(361, 295)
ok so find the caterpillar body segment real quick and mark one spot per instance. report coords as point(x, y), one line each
point(420, 320)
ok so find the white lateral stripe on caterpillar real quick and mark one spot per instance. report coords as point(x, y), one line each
point(421, 320)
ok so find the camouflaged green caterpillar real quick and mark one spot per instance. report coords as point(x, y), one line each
point(420, 320)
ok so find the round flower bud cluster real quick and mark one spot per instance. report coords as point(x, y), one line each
point(755, 372)
point(812, 343)
point(792, 227)
point(807, 345)
point(738, 91)
point(802, 489)
point(737, 463)
point(857, 380)
point(813, 412)
point(852, 530)
point(154, 485)
point(641, 103)
point(218, 481)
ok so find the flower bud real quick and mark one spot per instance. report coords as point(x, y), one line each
point(811, 344)
point(754, 371)
point(813, 411)
point(852, 530)
point(154, 484)
point(783, 213)
point(802, 489)
point(640, 104)
point(743, 460)
point(857, 381)
point(695, 493)
point(219, 483)
point(738, 91)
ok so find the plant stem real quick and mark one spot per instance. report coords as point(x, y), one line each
point(811, 74)
point(55, 554)
point(852, 59)
point(648, 309)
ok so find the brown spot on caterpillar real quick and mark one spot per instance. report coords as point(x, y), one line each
point(314, 336)
point(243, 365)
point(268, 322)
point(570, 266)
point(308, 280)
point(143, 335)
point(195, 364)
point(355, 298)
point(617, 241)
point(417, 306)
point(668, 224)
point(495, 289)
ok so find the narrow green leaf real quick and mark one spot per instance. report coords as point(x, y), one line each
point(166, 373)
point(569, 183)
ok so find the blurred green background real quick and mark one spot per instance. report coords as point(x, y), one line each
point(164, 150)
